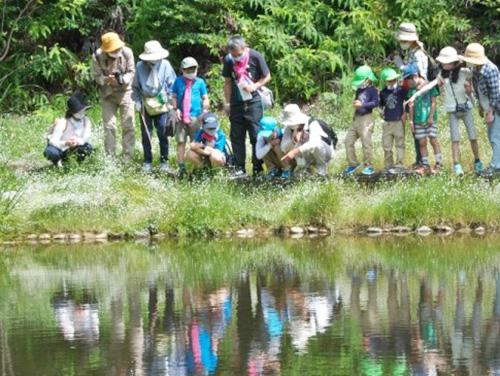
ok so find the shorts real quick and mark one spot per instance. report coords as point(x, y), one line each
point(182, 130)
point(468, 120)
point(422, 131)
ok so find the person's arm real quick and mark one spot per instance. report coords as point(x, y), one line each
point(430, 119)
point(410, 115)
point(493, 84)
point(205, 103)
point(136, 90)
point(257, 85)
point(372, 101)
point(129, 73)
point(315, 133)
point(287, 140)
point(97, 70)
point(423, 90)
point(57, 132)
point(170, 79)
point(262, 147)
point(220, 143)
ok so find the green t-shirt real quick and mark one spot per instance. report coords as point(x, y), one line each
point(422, 105)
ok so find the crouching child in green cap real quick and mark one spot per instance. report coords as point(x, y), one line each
point(208, 148)
point(362, 128)
point(268, 148)
point(391, 104)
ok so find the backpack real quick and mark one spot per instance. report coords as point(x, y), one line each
point(432, 67)
point(332, 136)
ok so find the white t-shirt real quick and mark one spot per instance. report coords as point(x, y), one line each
point(65, 129)
point(449, 104)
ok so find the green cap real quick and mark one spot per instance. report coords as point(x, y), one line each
point(388, 74)
point(362, 74)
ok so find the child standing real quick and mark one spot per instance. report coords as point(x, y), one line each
point(423, 118)
point(455, 79)
point(392, 98)
point(190, 100)
point(362, 128)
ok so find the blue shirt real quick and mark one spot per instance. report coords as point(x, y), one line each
point(392, 102)
point(198, 89)
point(220, 140)
point(369, 99)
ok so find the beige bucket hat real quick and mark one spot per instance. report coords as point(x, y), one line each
point(447, 55)
point(474, 54)
point(407, 32)
point(153, 51)
point(292, 116)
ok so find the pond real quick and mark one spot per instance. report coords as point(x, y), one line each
point(337, 306)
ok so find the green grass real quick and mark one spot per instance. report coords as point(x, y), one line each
point(106, 195)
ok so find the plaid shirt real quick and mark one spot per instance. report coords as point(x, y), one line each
point(487, 81)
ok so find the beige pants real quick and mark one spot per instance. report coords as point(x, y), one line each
point(110, 106)
point(362, 128)
point(273, 160)
point(394, 133)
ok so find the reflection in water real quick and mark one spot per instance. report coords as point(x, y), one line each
point(251, 309)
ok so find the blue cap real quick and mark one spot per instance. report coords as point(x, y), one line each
point(410, 70)
point(267, 125)
point(210, 121)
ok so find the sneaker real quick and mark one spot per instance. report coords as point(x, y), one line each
point(58, 164)
point(165, 168)
point(147, 167)
point(182, 171)
point(396, 170)
point(490, 171)
point(478, 166)
point(272, 174)
point(368, 171)
point(457, 169)
point(321, 170)
point(422, 170)
point(436, 169)
point(239, 174)
point(351, 169)
point(286, 174)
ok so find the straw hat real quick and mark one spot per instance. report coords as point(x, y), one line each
point(474, 54)
point(153, 51)
point(111, 42)
point(447, 55)
point(407, 32)
point(293, 116)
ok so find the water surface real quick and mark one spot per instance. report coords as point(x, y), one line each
point(398, 306)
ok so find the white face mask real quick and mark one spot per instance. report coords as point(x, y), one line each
point(190, 76)
point(154, 62)
point(469, 65)
point(405, 45)
point(79, 115)
point(392, 87)
point(114, 55)
point(239, 58)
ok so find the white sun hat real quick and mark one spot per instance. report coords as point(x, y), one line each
point(447, 55)
point(292, 116)
point(153, 51)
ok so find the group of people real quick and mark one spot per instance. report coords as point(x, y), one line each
point(411, 96)
point(179, 106)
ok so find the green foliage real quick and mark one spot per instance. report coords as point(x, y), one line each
point(45, 46)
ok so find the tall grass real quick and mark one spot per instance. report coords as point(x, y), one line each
point(103, 194)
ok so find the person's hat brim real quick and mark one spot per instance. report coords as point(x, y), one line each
point(295, 119)
point(115, 45)
point(154, 56)
point(407, 37)
point(447, 59)
point(265, 134)
point(474, 60)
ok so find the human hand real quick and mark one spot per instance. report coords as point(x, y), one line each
point(298, 136)
point(275, 142)
point(250, 88)
point(291, 155)
point(357, 104)
point(138, 106)
point(111, 80)
point(178, 114)
point(430, 121)
point(410, 101)
point(490, 118)
point(227, 109)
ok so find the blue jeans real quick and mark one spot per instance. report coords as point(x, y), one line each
point(54, 154)
point(160, 121)
point(494, 137)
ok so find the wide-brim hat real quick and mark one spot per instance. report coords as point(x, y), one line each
point(76, 103)
point(153, 51)
point(407, 32)
point(293, 116)
point(474, 54)
point(447, 55)
point(111, 42)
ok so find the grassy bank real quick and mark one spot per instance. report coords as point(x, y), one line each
point(103, 194)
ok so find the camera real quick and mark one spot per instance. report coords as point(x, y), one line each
point(119, 78)
point(461, 108)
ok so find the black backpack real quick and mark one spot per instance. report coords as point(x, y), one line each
point(332, 136)
point(433, 68)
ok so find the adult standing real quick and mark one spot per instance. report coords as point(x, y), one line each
point(113, 69)
point(414, 54)
point(245, 72)
point(152, 88)
point(486, 80)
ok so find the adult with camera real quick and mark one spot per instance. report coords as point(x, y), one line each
point(152, 89)
point(245, 72)
point(113, 69)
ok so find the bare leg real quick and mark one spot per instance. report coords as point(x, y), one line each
point(181, 151)
point(195, 159)
point(455, 151)
point(475, 148)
